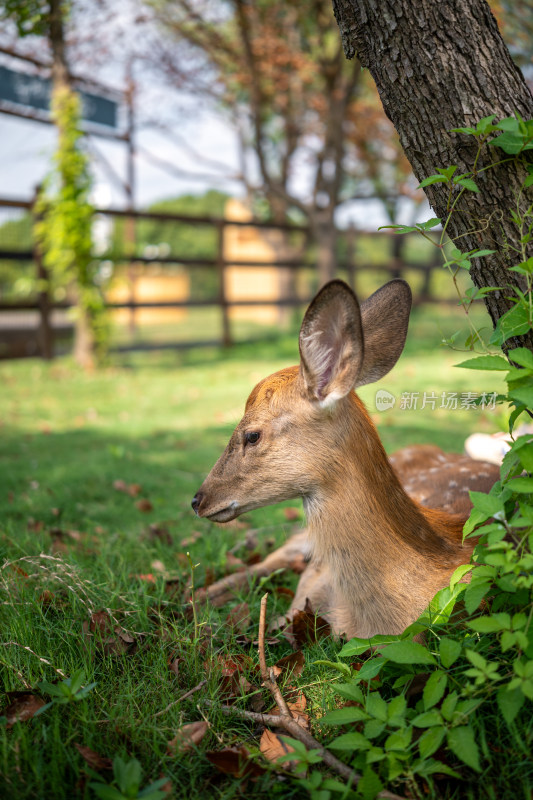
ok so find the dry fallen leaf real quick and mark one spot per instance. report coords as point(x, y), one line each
point(94, 760)
point(239, 618)
point(109, 637)
point(147, 577)
point(291, 665)
point(134, 489)
point(296, 706)
point(235, 761)
point(22, 707)
point(174, 664)
point(120, 486)
point(307, 627)
point(187, 736)
point(144, 505)
point(292, 513)
point(272, 746)
point(156, 531)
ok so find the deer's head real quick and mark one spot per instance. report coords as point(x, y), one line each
point(290, 438)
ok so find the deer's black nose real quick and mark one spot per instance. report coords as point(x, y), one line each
point(195, 503)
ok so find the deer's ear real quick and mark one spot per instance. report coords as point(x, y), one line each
point(385, 318)
point(331, 344)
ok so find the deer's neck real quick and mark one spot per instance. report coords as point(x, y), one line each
point(387, 557)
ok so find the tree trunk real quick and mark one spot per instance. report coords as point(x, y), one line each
point(439, 66)
point(325, 236)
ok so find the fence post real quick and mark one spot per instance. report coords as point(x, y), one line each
point(397, 255)
point(425, 291)
point(221, 266)
point(45, 331)
point(350, 254)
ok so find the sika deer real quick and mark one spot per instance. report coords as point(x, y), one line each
point(378, 556)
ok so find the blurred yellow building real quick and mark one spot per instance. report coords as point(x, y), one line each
point(243, 243)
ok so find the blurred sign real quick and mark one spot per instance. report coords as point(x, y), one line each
point(34, 92)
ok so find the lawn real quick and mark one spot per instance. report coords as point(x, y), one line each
point(97, 473)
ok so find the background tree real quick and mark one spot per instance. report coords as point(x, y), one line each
point(277, 71)
point(64, 229)
point(439, 67)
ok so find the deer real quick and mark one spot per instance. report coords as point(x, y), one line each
point(377, 550)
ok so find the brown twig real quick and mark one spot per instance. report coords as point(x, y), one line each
point(269, 679)
point(183, 697)
point(285, 719)
point(290, 726)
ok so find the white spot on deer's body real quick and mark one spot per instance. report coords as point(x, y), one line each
point(452, 484)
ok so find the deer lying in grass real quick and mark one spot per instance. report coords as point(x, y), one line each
point(377, 555)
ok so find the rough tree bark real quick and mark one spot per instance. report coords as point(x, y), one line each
point(439, 66)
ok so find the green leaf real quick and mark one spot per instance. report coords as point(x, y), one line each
point(369, 785)
point(448, 172)
point(399, 740)
point(427, 719)
point(376, 706)
point(474, 594)
point(350, 741)
point(406, 652)
point(468, 131)
point(338, 665)
point(448, 706)
point(432, 766)
point(511, 143)
point(485, 362)
point(343, 716)
point(514, 322)
point(370, 669)
point(357, 646)
point(521, 485)
point(476, 659)
point(459, 573)
point(488, 504)
point(482, 254)
point(431, 180)
point(397, 708)
point(430, 741)
point(509, 702)
point(449, 650)
point(523, 395)
point(351, 691)
point(467, 183)
point(462, 743)
point(434, 689)
point(485, 625)
point(374, 728)
point(524, 268)
point(106, 792)
point(429, 224)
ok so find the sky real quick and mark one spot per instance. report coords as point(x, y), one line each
point(26, 148)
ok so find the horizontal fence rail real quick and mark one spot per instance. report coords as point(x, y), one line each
point(43, 334)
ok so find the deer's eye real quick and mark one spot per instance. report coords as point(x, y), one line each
point(252, 438)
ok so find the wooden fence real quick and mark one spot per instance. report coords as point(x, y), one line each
point(45, 334)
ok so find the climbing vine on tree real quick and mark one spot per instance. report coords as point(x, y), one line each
point(64, 230)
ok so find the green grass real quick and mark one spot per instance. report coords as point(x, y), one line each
point(72, 544)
